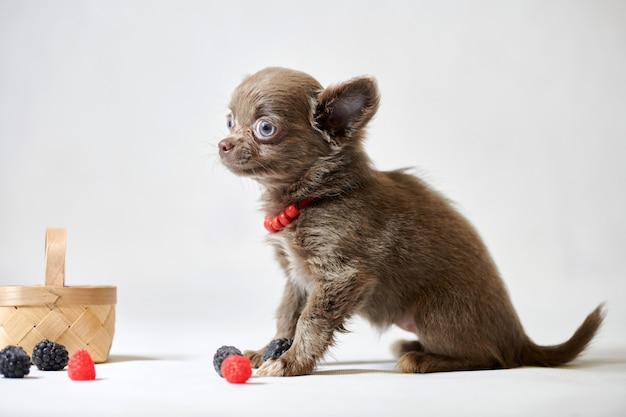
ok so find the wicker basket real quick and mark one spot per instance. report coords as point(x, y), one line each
point(76, 317)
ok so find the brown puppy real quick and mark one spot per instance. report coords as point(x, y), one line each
point(382, 245)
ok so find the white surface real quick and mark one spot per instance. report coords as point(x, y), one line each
point(167, 379)
point(110, 113)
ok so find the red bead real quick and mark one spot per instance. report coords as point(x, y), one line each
point(283, 219)
point(292, 211)
point(268, 224)
point(276, 224)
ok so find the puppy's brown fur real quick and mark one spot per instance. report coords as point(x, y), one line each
point(382, 245)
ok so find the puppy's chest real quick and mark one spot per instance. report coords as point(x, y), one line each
point(298, 262)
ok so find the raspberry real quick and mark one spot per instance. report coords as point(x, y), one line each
point(80, 366)
point(221, 354)
point(49, 356)
point(276, 348)
point(236, 369)
point(14, 362)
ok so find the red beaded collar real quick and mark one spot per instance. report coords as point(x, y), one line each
point(276, 223)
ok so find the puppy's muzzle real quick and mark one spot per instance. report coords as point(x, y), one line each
point(225, 146)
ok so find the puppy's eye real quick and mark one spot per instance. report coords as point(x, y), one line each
point(230, 122)
point(264, 129)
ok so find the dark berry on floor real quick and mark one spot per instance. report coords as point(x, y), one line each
point(14, 362)
point(50, 356)
point(221, 354)
point(276, 348)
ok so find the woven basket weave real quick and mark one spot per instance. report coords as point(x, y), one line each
point(76, 317)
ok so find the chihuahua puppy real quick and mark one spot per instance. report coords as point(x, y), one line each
point(353, 240)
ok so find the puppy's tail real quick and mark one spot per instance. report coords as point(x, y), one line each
point(534, 355)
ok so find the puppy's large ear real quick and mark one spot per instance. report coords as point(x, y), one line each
point(344, 109)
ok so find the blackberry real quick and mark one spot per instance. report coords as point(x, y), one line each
point(14, 362)
point(50, 356)
point(221, 354)
point(276, 348)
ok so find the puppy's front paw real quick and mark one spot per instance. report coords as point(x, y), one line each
point(255, 356)
point(272, 367)
point(283, 367)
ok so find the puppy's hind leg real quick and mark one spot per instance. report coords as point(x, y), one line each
point(400, 347)
point(407, 322)
point(424, 362)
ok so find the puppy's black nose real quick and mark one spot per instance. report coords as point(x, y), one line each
point(225, 145)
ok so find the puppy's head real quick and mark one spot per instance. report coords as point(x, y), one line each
point(282, 121)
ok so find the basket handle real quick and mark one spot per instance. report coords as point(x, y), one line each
point(55, 257)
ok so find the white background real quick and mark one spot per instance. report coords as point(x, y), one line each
point(110, 113)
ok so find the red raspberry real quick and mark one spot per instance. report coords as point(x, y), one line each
point(81, 367)
point(236, 369)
